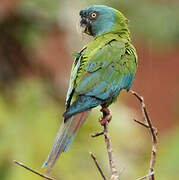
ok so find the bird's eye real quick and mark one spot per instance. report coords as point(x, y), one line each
point(93, 15)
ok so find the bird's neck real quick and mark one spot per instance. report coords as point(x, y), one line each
point(123, 34)
point(122, 30)
point(121, 26)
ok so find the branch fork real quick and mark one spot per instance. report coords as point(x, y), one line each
point(153, 131)
point(106, 118)
point(104, 121)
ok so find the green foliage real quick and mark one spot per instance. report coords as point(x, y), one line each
point(49, 9)
point(168, 156)
point(21, 125)
point(35, 18)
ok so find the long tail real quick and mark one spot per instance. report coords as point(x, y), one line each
point(64, 137)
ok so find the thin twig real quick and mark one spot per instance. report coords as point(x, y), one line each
point(104, 122)
point(33, 171)
point(97, 165)
point(145, 125)
point(97, 134)
point(141, 123)
point(153, 133)
point(146, 176)
point(114, 174)
point(106, 118)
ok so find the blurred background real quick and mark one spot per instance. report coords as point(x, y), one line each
point(37, 38)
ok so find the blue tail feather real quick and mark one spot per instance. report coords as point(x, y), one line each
point(68, 143)
point(64, 138)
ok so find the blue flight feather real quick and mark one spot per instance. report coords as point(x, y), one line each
point(68, 143)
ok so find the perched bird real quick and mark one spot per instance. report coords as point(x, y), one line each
point(104, 67)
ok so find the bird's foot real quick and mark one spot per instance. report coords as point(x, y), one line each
point(106, 116)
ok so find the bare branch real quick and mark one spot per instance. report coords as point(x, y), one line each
point(146, 176)
point(33, 171)
point(114, 174)
point(141, 123)
point(104, 122)
point(152, 131)
point(97, 165)
point(97, 134)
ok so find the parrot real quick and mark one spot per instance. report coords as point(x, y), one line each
point(104, 67)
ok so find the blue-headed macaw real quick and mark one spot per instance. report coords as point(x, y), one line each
point(104, 67)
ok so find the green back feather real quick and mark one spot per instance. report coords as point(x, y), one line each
point(98, 56)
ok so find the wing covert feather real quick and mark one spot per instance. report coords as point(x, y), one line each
point(106, 73)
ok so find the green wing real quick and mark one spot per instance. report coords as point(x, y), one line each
point(103, 72)
point(73, 75)
point(107, 72)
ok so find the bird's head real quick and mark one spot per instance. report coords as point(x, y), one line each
point(100, 19)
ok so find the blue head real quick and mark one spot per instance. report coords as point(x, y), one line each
point(100, 19)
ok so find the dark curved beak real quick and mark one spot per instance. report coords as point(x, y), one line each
point(85, 23)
